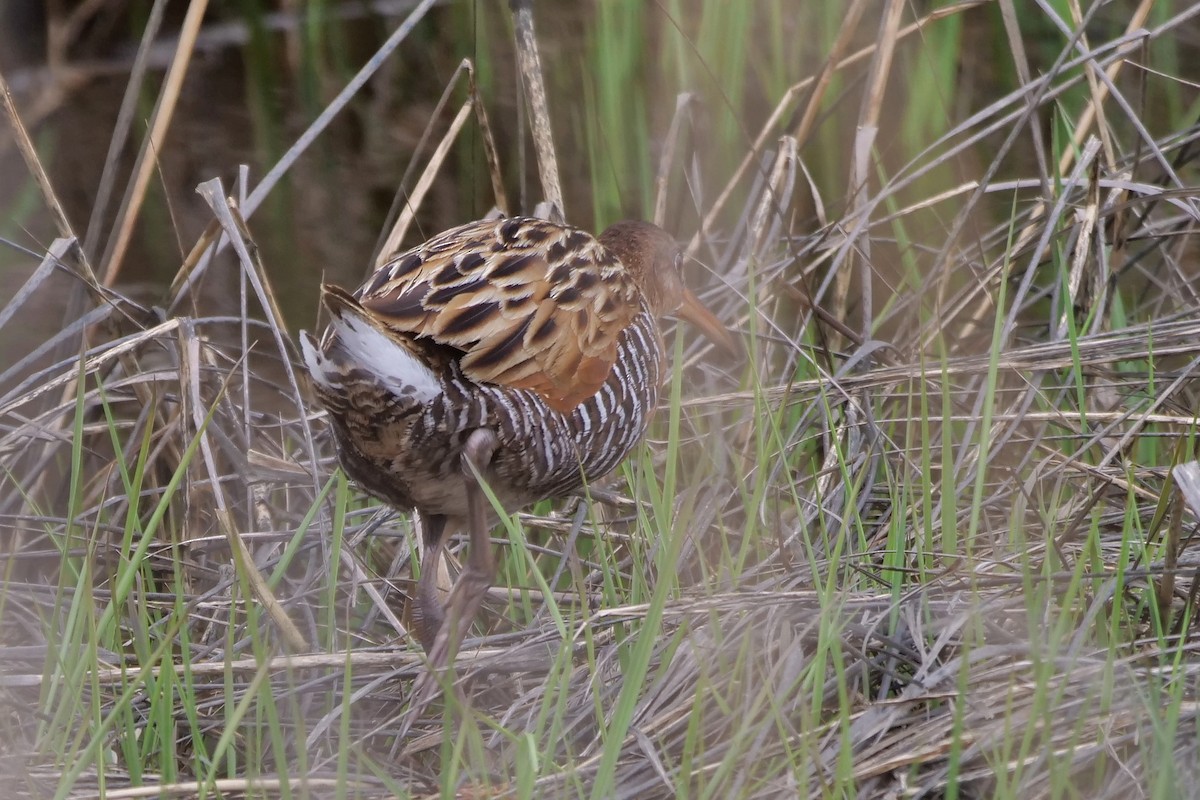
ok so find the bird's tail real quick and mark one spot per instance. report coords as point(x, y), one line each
point(358, 346)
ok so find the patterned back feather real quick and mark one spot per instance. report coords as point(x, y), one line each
point(527, 304)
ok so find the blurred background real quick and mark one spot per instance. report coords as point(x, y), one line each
point(263, 70)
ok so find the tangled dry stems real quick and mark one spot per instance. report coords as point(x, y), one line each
point(946, 551)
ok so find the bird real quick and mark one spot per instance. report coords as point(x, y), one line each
point(517, 353)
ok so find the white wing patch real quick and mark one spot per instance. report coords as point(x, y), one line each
point(314, 359)
point(368, 348)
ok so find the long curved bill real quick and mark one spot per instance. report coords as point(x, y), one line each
point(692, 310)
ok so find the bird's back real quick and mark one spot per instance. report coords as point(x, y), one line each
point(455, 335)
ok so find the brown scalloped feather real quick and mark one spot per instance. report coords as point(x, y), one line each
point(528, 303)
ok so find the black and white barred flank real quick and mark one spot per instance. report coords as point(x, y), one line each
point(401, 425)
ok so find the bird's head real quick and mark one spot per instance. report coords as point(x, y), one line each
point(655, 262)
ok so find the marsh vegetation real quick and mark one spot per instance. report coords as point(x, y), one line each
point(933, 536)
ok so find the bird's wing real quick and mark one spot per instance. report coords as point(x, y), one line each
point(528, 303)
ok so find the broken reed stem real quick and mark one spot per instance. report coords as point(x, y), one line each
point(29, 153)
point(147, 160)
point(530, 65)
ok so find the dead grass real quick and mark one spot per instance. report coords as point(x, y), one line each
point(924, 541)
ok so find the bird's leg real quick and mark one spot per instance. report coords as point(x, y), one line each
point(427, 613)
point(470, 588)
point(476, 577)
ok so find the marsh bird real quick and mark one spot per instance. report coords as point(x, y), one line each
point(515, 352)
